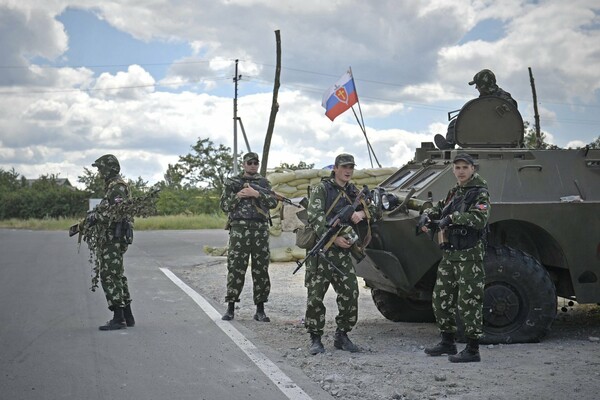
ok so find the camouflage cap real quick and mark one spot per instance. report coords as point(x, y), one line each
point(464, 157)
point(250, 156)
point(484, 78)
point(344, 159)
point(108, 165)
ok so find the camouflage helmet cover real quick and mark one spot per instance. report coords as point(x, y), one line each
point(107, 165)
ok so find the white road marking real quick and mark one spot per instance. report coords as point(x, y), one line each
point(281, 380)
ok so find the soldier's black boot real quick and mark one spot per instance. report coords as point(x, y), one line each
point(118, 321)
point(446, 346)
point(260, 313)
point(316, 346)
point(129, 320)
point(469, 354)
point(342, 342)
point(228, 316)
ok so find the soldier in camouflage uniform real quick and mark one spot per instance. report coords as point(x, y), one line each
point(248, 224)
point(485, 83)
point(460, 282)
point(326, 200)
point(115, 243)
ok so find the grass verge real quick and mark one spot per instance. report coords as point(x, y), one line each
point(169, 222)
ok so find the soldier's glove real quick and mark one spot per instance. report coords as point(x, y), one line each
point(445, 222)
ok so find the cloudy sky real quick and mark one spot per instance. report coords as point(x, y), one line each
point(145, 79)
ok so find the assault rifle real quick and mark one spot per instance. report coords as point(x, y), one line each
point(334, 225)
point(271, 193)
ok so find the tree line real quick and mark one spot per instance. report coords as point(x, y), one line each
point(193, 185)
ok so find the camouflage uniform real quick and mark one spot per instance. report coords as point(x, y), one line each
point(110, 255)
point(319, 274)
point(248, 237)
point(460, 277)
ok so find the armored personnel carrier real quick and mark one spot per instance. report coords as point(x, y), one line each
point(544, 237)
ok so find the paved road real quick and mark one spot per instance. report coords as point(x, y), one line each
point(51, 348)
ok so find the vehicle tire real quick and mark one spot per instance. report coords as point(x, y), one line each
point(402, 309)
point(519, 302)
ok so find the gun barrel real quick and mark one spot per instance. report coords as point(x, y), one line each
point(415, 204)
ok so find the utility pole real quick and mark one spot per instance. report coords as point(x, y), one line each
point(538, 135)
point(236, 78)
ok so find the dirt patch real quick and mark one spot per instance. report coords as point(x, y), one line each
point(392, 365)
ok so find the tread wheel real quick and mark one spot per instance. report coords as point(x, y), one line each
point(402, 309)
point(519, 302)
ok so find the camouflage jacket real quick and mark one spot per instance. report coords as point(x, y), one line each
point(322, 197)
point(499, 92)
point(116, 192)
point(478, 210)
point(252, 209)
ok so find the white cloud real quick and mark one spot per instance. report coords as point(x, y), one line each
point(409, 60)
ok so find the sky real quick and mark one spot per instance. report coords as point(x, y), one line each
point(146, 79)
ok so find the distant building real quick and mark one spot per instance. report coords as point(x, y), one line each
point(59, 181)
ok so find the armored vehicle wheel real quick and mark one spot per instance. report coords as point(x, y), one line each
point(519, 302)
point(402, 309)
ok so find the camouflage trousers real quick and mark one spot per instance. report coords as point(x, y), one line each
point(245, 242)
point(460, 284)
point(318, 276)
point(112, 275)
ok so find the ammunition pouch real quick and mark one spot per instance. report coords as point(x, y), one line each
point(306, 237)
point(124, 231)
point(461, 237)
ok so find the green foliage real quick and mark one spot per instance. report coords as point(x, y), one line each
point(94, 183)
point(293, 167)
point(530, 138)
point(595, 144)
point(208, 166)
point(45, 198)
point(174, 201)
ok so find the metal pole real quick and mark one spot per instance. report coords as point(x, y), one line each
point(235, 151)
point(538, 134)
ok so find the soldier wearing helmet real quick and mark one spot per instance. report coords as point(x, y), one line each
point(117, 234)
point(485, 83)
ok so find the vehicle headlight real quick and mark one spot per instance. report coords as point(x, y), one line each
point(389, 201)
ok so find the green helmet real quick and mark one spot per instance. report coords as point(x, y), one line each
point(107, 165)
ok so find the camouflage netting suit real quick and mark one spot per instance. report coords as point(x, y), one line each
point(248, 237)
point(319, 274)
point(110, 254)
point(460, 276)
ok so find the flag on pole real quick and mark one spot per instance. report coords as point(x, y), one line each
point(340, 97)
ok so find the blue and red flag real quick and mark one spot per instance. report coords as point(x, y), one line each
point(340, 97)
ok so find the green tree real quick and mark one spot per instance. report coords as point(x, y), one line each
point(595, 144)
point(530, 138)
point(9, 180)
point(207, 166)
point(93, 182)
point(293, 167)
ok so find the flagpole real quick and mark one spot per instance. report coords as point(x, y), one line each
point(362, 126)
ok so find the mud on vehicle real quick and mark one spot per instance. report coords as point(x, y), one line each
point(544, 237)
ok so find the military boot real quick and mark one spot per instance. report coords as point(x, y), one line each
point(260, 313)
point(228, 316)
point(446, 346)
point(342, 342)
point(316, 346)
point(129, 320)
point(469, 354)
point(118, 321)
